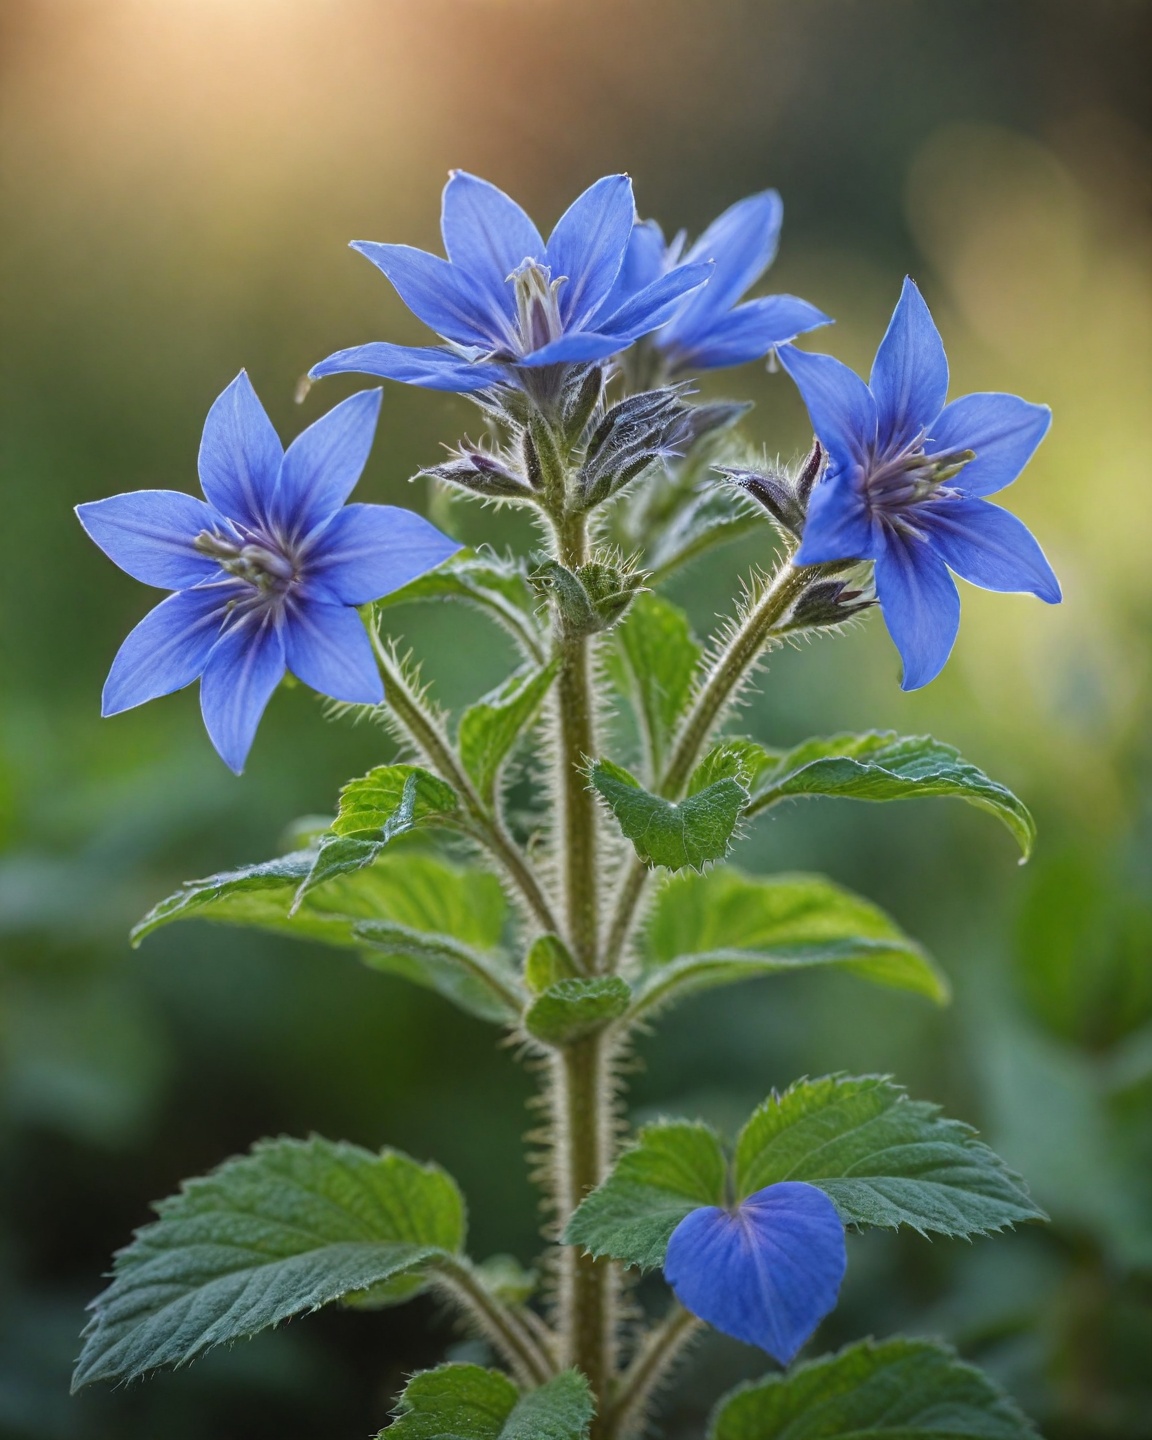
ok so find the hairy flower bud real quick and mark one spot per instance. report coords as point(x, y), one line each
point(589, 599)
point(827, 602)
point(632, 435)
point(481, 473)
point(785, 497)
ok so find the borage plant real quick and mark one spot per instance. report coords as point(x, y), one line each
point(576, 923)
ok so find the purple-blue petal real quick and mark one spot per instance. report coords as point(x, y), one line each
point(487, 235)
point(324, 462)
point(168, 648)
point(588, 246)
point(240, 455)
point(150, 534)
point(747, 333)
point(840, 405)
point(989, 547)
point(766, 1273)
point(920, 605)
point(370, 550)
point(241, 672)
point(577, 347)
point(1003, 430)
point(910, 373)
point(439, 294)
point(651, 307)
point(645, 259)
point(328, 648)
point(837, 526)
point(430, 366)
point(742, 241)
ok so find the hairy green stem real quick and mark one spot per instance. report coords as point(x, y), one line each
point(659, 1352)
point(521, 1346)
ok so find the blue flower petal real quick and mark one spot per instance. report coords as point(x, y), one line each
point(645, 260)
point(989, 547)
point(328, 648)
point(920, 605)
point(369, 550)
point(742, 241)
point(910, 373)
point(1003, 430)
point(837, 526)
point(766, 1273)
point(168, 648)
point(588, 246)
point(150, 534)
point(746, 333)
point(655, 303)
point(576, 348)
point(439, 294)
point(241, 672)
point(240, 455)
point(324, 462)
point(430, 366)
point(487, 235)
point(840, 405)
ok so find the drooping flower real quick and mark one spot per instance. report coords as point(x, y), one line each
point(504, 300)
point(766, 1271)
point(906, 484)
point(711, 328)
point(266, 571)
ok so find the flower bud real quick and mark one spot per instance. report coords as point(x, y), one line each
point(589, 599)
point(477, 471)
point(827, 602)
point(632, 435)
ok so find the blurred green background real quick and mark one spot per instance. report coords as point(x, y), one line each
point(180, 179)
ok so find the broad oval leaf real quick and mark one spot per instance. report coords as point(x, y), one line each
point(882, 765)
point(726, 926)
point(291, 1226)
point(570, 1009)
point(677, 834)
point(674, 1167)
point(467, 1402)
point(490, 728)
point(654, 662)
point(893, 1390)
point(882, 1158)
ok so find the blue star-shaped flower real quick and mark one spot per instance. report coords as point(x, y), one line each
point(906, 482)
point(504, 299)
point(766, 1271)
point(709, 328)
point(267, 571)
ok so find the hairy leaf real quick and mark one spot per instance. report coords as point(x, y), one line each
point(569, 1009)
point(675, 834)
point(547, 961)
point(467, 1402)
point(490, 728)
point(726, 926)
point(891, 1390)
point(655, 663)
point(886, 766)
point(287, 1228)
point(674, 1167)
point(882, 1158)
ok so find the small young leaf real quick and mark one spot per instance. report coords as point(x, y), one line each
point(889, 1390)
point(289, 1227)
point(885, 766)
point(726, 926)
point(733, 758)
point(882, 1158)
point(490, 728)
point(675, 834)
point(466, 1402)
point(547, 961)
point(655, 663)
point(674, 1167)
point(504, 1277)
point(570, 1009)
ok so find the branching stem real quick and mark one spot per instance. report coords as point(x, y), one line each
point(649, 1369)
point(521, 1345)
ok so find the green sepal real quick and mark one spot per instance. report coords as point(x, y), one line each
point(725, 926)
point(882, 765)
point(467, 1402)
point(654, 662)
point(888, 1390)
point(570, 1009)
point(291, 1226)
point(547, 961)
point(490, 728)
point(675, 834)
point(882, 1159)
point(673, 1168)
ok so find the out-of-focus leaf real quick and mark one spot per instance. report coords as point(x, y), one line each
point(547, 961)
point(569, 1009)
point(676, 834)
point(655, 662)
point(467, 1402)
point(490, 728)
point(278, 1232)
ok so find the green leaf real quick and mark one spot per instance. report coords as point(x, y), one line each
point(882, 1158)
point(674, 1167)
point(675, 834)
point(656, 656)
point(892, 1390)
point(726, 926)
point(466, 1402)
point(570, 1009)
point(886, 766)
point(734, 758)
point(504, 1277)
point(490, 728)
point(547, 961)
point(289, 1227)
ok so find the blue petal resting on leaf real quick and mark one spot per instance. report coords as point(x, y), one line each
point(267, 569)
point(504, 300)
point(906, 482)
point(766, 1271)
